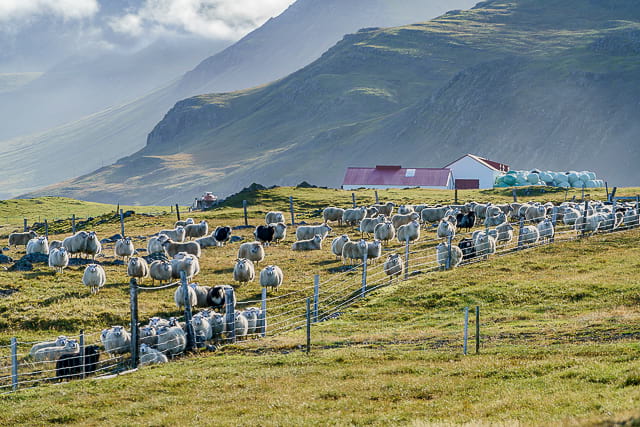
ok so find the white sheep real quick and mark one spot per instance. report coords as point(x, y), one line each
point(185, 262)
point(39, 245)
point(76, 244)
point(251, 314)
point(55, 244)
point(241, 325)
point(374, 251)
point(354, 251)
point(202, 326)
point(218, 326)
point(59, 259)
point(535, 213)
point(138, 267)
point(253, 251)
point(281, 231)
point(197, 230)
point(368, 225)
point(409, 232)
point(393, 266)
point(201, 293)
point(207, 241)
point(53, 353)
point(172, 340)
point(504, 233)
point(384, 232)
point(385, 209)
point(149, 355)
point(442, 252)
point(590, 224)
point(434, 214)
point(21, 239)
point(124, 248)
point(154, 245)
point(184, 222)
point(177, 235)
point(494, 220)
point(631, 218)
point(314, 244)
point(399, 220)
point(116, 340)
point(271, 277)
point(484, 244)
point(354, 216)
point(273, 217)
point(160, 270)
point(332, 213)
point(60, 341)
point(528, 235)
point(338, 243)
point(172, 248)
point(93, 246)
point(306, 232)
point(545, 229)
point(445, 229)
point(571, 215)
point(611, 221)
point(94, 277)
point(405, 209)
point(148, 335)
point(178, 297)
point(244, 271)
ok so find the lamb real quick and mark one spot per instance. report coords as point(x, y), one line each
point(281, 231)
point(338, 243)
point(94, 277)
point(39, 245)
point(409, 232)
point(393, 266)
point(251, 314)
point(253, 251)
point(529, 235)
point(271, 277)
point(21, 239)
point(116, 340)
point(314, 244)
point(384, 232)
point(273, 217)
point(504, 233)
point(70, 365)
point(442, 254)
point(306, 232)
point(332, 214)
point(183, 223)
point(545, 229)
point(59, 259)
point(244, 271)
point(241, 325)
point(433, 214)
point(53, 353)
point(265, 233)
point(124, 248)
point(201, 327)
point(368, 225)
point(217, 323)
point(493, 220)
point(92, 245)
point(177, 235)
point(354, 216)
point(59, 342)
point(178, 296)
point(185, 262)
point(222, 235)
point(535, 213)
point(398, 219)
point(445, 229)
point(154, 245)
point(76, 244)
point(201, 293)
point(374, 251)
point(466, 221)
point(385, 209)
point(207, 241)
point(149, 355)
point(484, 245)
point(354, 250)
point(216, 298)
point(468, 249)
point(172, 248)
point(148, 336)
point(160, 271)
point(171, 340)
point(197, 230)
point(55, 244)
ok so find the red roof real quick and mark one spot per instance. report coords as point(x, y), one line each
point(394, 176)
point(489, 163)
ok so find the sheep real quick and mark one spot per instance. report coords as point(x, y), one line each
point(241, 325)
point(124, 248)
point(445, 229)
point(314, 244)
point(332, 213)
point(265, 233)
point(183, 223)
point(161, 271)
point(177, 235)
point(589, 224)
point(155, 322)
point(338, 243)
point(405, 209)
point(398, 219)
point(201, 293)
point(207, 241)
point(371, 212)
point(466, 221)
point(545, 229)
point(281, 231)
point(251, 314)
point(154, 245)
point(149, 355)
point(492, 211)
point(59, 259)
point(571, 215)
point(468, 249)
point(70, 365)
point(354, 250)
point(197, 230)
point(442, 254)
point(116, 340)
point(535, 213)
point(39, 245)
point(409, 232)
point(528, 235)
point(368, 225)
point(306, 232)
point(185, 262)
point(201, 326)
point(92, 245)
point(631, 218)
point(433, 214)
point(374, 251)
point(75, 244)
point(138, 267)
point(53, 353)
point(94, 277)
point(271, 277)
point(493, 220)
point(55, 244)
point(611, 221)
point(385, 209)
point(244, 271)
point(216, 298)
point(393, 266)
point(59, 342)
point(480, 209)
point(21, 239)
point(505, 208)
point(217, 323)
point(504, 233)
point(354, 216)
point(178, 296)
point(172, 248)
point(273, 216)
point(253, 251)
point(148, 335)
point(222, 235)
point(172, 340)
point(484, 244)
point(384, 232)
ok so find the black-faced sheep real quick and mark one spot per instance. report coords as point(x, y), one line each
point(222, 235)
point(467, 248)
point(216, 298)
point(265, 233)
point(466, 221)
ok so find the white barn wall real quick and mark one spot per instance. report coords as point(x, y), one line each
point(468, 168)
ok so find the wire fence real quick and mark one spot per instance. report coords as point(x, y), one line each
point(23, 366)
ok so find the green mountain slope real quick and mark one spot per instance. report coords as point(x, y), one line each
point(534, 83)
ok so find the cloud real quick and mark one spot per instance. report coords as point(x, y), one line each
point(67, 9)
point(219, 19)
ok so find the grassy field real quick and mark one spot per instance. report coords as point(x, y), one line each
point(560, 327)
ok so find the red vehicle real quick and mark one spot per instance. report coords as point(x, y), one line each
point(207, 201)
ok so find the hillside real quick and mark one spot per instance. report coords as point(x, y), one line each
point(281, 46)
point(507, 79)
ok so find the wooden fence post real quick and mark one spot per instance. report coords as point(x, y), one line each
point(46, 229)
point(263, 312)
point(448, 264)
point(466, 329)
point(73, 223)
point(353, 199)
point(230, 313)
point(178, 212)
point(122, 223)
point(293, 219)
point(25, 225)
point(244, 207)
point(477, 329)
point(14, 363)
point(191, 336)
point(606, 188)
point(135, 339)
point(377, 198)
point(308, 325)
point(584, 217)
point(83, 359)
point(406, 259)
point(316, 296)
point(455, 196)
point(520, 233)
point(515, 195)
point(364, 274)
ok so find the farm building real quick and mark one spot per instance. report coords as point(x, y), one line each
point(474, 172)
point(382, 177)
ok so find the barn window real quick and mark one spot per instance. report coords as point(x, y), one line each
point(410, 173)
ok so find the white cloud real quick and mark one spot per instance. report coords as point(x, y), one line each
point(220, 19)
point(68, 9)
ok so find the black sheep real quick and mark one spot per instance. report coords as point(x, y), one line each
point(265, 233)
point(216, 298)
point(468, 249)
point(222, 234)
point(69, 366)
point(466, 221)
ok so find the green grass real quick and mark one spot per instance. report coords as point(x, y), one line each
point(559, 338)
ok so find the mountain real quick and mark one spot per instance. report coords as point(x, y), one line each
point(282, 45)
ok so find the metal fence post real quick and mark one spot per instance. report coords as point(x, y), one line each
point(353, 199)
point(135, 339)
point(178, 212)
point(308, 325)
point(25, 225)
point(263, 312)
point(14, 363)
point(584, 217)
point(477, 329)
point(121, 223)
point(230, 313)
point(191, 335)
point(83, 361)
point(364, 274)
point(520, 233)
point(448, 264)
point(406, 259)
point(244, 208)
point(73, 223)
point(293, 218)
point(466, 329)
point(316, 296)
